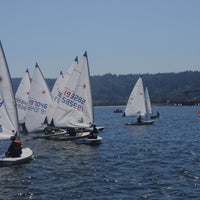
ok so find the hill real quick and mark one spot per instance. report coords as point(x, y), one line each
point(164, 88)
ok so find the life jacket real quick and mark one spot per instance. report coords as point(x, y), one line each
point(18, 144)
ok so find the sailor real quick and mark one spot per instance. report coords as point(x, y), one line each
point(93, 133)
point(15, 148)
point(139, 119)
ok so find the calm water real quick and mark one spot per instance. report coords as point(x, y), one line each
point(161, 161)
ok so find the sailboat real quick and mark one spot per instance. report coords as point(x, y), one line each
point(54, 130)
point(21, 97)
point(38, 101)
point(88, 111)
point(8, 114)
point(136, 105)
point(74, 108)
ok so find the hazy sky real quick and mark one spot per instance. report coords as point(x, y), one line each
point(120, 36)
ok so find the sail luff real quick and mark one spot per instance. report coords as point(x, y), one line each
point(8, 111)
point(148, 101)
point(90, 91)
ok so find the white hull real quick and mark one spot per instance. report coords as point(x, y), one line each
point(50, 135)
point(63, 136)
point(99, 128)
point(149, 122)
point(25, 157)
point(97, 140)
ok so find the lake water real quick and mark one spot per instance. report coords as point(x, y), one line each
point(160, 161)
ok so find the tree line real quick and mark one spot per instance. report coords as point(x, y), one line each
point(164, 88)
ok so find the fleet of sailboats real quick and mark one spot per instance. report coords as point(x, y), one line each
point(8, 114)
point(65, 113)
point(72, 106)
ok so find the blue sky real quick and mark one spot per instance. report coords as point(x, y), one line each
point(120, 36)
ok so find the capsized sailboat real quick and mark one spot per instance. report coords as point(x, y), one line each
point(8, 114)
point(136, 105)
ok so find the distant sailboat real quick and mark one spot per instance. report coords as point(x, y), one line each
point(38, 102)
point(8, 114)
point(21, 97)
point(136, 106)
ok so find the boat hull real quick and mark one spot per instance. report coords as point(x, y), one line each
point(63, 136)
point(26, 156)
point(149, 122)
point(91, 141)
point(99, 128)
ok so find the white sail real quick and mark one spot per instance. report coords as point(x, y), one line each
point(148, 101)
point(136, 102)
point(21, 96)
point(39, 99)
point(51, 115)
point(8, 112)
point(75, 101)
point(57, 84)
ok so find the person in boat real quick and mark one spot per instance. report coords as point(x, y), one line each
point(24, 129)
point(71, 131)
point(15, 148)
point(48, 130)
point(139, 119)
point(93, 133)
